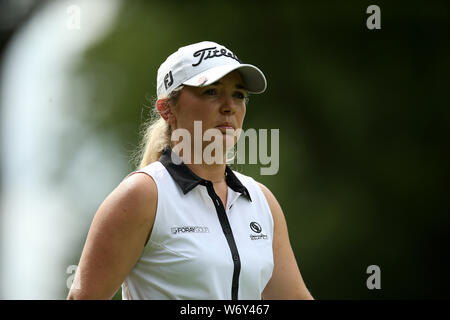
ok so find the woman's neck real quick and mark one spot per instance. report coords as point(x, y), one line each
point(212, 172)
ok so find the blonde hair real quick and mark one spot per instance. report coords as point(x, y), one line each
point(155, 134)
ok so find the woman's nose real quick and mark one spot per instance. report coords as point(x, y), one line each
point(227, 105)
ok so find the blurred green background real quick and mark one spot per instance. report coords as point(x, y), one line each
point(363, 118)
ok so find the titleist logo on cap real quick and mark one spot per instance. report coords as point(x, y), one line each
point(212, 54)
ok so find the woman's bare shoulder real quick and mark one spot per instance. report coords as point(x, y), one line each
point(268, 194)
point(139, 183)
point(134, 199)
point(138, 190)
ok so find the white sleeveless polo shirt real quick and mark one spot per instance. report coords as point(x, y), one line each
point(199, 249)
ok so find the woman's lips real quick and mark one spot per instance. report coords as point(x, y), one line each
point(225, 127)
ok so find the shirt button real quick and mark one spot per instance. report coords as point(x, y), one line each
point(227, 230)
point(235, 257)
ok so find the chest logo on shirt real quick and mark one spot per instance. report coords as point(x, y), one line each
point(256, 228)
point(189, 229)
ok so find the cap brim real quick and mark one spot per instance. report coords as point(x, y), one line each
point(254, 79)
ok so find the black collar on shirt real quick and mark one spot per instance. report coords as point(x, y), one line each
point(188, 180)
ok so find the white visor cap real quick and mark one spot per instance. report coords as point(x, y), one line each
point(203, 63)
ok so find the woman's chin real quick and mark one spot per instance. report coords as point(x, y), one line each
point(228, 142)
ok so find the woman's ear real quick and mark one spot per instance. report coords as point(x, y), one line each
point(163, 107)
point(165, 111)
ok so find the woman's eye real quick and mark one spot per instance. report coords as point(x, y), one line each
point(210, 92)
point(239, 95)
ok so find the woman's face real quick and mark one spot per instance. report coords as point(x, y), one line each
point(220, 105)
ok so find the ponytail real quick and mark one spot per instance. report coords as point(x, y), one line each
point(156, 134)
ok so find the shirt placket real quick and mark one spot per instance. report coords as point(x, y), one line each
point(228, 232)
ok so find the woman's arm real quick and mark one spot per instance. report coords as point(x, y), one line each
point(116, 238)
point(286, 282)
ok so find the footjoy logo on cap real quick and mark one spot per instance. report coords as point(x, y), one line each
point(168, 80)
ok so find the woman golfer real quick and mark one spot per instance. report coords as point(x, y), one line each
point(186, 226)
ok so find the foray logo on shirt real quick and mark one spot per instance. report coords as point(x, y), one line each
point(189, 229)
point(255, 227)
point(213, 53)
